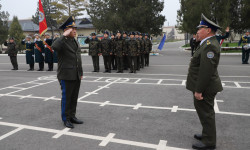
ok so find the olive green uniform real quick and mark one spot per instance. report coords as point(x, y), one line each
point(94, 51)
point(119, 53)
point(203, 78)
point(12, 53)
point(69, 74)
point(106, 50)
point(133, 47)
point(148, 49)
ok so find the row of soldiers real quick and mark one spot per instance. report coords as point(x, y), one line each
point(121, 51)
point(41, 49)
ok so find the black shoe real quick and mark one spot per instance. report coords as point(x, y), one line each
point(13, 69)
point(125, 68)
point(76, 121)
point(30, 69)
point(97, 70)
point(118, 72)
point(131, 71)
point(68, 124)
point(50, 70)
point(198, 136)
point(40, 70)
point(201, 146)
point(94, 71)
point(109, 71)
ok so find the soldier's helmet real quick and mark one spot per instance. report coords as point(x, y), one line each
point(132, 33)
point(93, 34)
point(11, 38)
point(106, 32)
point(137, 33)
point(205, 22)
point(57, 34)
point(118, 32)
point(146, 34)
point(124, 32)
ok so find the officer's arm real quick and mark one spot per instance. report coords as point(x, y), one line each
point(86, 41)
point(207, 68)
point(59, 43)
point(225, 36)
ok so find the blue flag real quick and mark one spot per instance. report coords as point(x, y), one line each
point(162, 42)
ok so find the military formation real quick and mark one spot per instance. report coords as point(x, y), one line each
point(121, 52)
point(37, 51)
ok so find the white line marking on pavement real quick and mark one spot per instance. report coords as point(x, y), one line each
point(107, 139)
point(137, 106)
point(159, 82)
point(137, 81)
point(175, 108)
point(183, 82)
point(90, 93)
point(133, 106)
point(10, 133)
point(105, 103)
point(25, 96)
point(1, 118)
point(162, 145)
point(216, 108)
point(87, 136)
point(237, 84)
point(12, 87)
point(98, 79)
point(107, 85)
point(49, 98)
point(61, 133)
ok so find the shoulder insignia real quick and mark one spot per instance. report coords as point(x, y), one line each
point(208, 42)
point(210, 55)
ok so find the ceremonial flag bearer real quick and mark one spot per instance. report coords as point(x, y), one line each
point(69, 71)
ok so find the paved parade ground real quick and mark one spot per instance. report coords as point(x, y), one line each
point(147, 110)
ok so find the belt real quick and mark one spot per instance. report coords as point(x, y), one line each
point(28, 49)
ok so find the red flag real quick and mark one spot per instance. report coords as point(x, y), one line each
point(42, 20)
point(221, 42)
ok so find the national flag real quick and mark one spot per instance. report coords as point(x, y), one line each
point(42, 20)
point(162, 42)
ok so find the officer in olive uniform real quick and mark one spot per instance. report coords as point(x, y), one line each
point(142, 50)
point(204, 82)
point(133, 47)
point(106, 51)
point(245, 48)
point(119, 51)
point(48, 51)
point(29, 52)
point(39, 52)
point(148, 48)
point(139, 52)
point(113, 58)
point(69, 71)
point(125, 57)
point(55, 59)
point(12, 52)
point(94, 51)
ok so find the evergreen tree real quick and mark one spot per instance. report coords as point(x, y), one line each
point(128, 15)
point(62, 9)
point(16, 32)
point(4, 16)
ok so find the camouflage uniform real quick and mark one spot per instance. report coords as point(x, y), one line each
point(133, 50)
point(94, 51)
point(119, 52)
point(148, 49)
point(106, 51)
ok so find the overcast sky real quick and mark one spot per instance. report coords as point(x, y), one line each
point(24, 9)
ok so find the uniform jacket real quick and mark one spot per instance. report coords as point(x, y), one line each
point(106, 46)
point(48, 52)
point(11, 48)
point(94, 46)
point(119, 47)
point(148, 46)
point(55, 60)
point(125, 47)
point(133, 47)
point(244, 39)
point(202, 73)
point(220, 37)
point(142, 46)
point(29, 51)
point(69, 58)
point(39, 53)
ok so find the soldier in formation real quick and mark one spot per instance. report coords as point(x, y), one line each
point(106, 52)
point(12, 52)
point(94, 50)
point(245, 39)
point(29, 52)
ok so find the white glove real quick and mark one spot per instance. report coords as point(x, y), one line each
point(67, 32)
point(32, 55)
point(43, 54)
